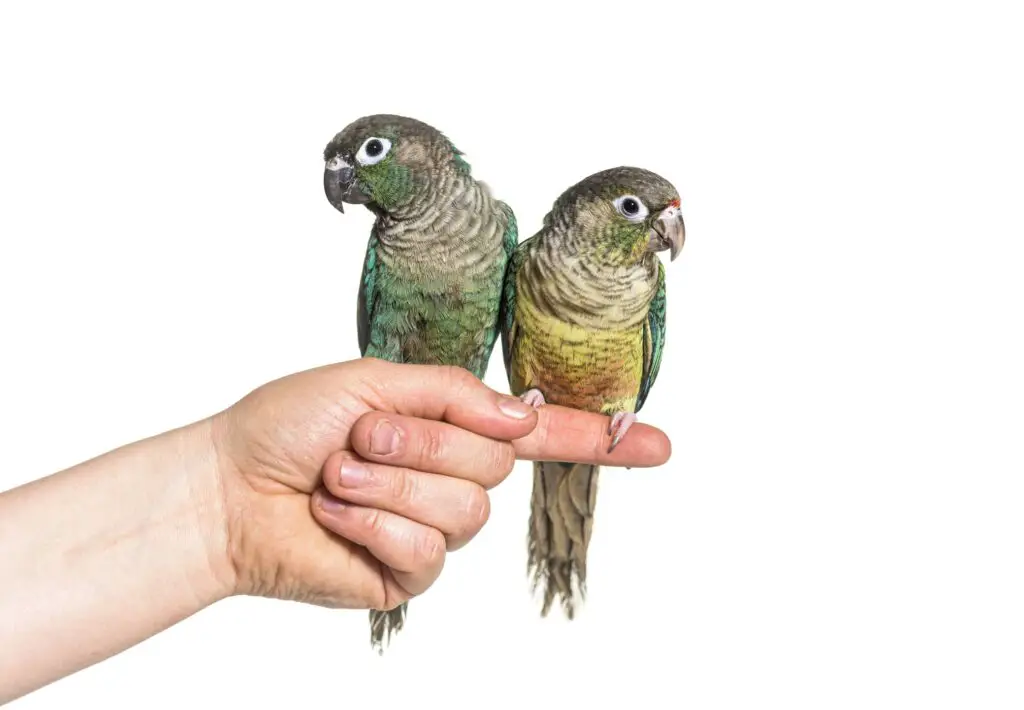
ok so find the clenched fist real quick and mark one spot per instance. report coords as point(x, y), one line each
point(346, 486)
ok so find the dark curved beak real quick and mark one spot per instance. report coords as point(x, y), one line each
point(340, 187)
point(668, 232)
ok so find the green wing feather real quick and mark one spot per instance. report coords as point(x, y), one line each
point(507, 313)
point(654, 340)
point(367, 293)
point(509, 241)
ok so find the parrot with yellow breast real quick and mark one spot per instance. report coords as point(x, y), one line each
point(583, 326)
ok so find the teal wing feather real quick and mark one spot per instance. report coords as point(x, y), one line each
point(509, 242)
point(511, 232)
point(507, 309)
point(367, 299)
point(507, 315)
point(654, 340)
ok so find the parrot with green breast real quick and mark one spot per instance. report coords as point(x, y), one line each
point(430, 290)
point(583, 326)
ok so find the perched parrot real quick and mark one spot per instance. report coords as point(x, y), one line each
point(583, 326)
point(431, 284)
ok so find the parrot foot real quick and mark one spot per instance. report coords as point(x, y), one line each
point(534, 398)
point(620, 424)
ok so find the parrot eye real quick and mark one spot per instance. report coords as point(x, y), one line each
point(336, 163)
point(373, 151)
point(632, 208)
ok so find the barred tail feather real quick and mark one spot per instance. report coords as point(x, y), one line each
point(383, 624)
point(561, 522)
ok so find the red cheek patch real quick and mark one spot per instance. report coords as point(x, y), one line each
point(674, 203)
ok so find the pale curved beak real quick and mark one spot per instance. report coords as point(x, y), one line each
point(668, 232)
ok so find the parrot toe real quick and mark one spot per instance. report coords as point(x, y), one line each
point(620, 424)
point(534, 398)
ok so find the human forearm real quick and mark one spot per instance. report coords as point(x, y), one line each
point(98, 557)
point(256, 501)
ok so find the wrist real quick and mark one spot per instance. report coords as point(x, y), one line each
point(217, 577)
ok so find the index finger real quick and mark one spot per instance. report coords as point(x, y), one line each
point(574, 436)
point(445, 393)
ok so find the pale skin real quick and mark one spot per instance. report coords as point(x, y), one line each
point(343, 486)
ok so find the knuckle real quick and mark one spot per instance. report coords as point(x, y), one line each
point(434, 446)
point(374, 521)
point(458, 378)
point(508, 459)
point(428, 549)
point(473, 516)
point(478, 510)
point(501, 460)
point(404, 487)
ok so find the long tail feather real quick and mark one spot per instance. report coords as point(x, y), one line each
point(383, 624)
point(561, 522)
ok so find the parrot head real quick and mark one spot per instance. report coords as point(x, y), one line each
point(387, 163)
point(621, 214)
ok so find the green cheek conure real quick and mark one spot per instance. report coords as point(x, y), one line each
point(432, 278)
point(583, 326)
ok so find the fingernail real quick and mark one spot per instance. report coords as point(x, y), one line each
point(384, 439)
point(353, 474)
point(515, 408)
point(331, 505)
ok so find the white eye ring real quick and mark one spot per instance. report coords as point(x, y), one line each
point(632, 208)
point(336, 163)
point(373, 150)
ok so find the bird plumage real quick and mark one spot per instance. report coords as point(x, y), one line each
point(435, 263)
point(583, 324)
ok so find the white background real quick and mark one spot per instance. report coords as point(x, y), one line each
point(841, 522)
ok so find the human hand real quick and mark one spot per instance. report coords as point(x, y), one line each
point(346, 485)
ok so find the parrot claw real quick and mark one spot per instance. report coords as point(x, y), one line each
point(620, 424)
point(534, 398)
